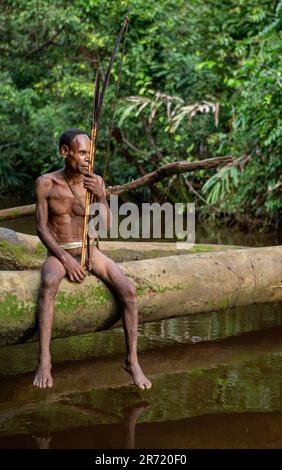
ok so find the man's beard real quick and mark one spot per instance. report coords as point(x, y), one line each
point(82, 170)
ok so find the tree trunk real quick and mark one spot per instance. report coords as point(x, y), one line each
point(166, 287)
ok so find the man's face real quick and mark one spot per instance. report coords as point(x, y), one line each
point(77, 156)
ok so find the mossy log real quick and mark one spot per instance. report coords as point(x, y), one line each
point(19, 251)
point(166, 287)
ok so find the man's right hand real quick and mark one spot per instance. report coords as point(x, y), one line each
point(74, 270)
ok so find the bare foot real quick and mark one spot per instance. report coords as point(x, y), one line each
point(42, 442)
point(133, 413)
point(137, 374)
point(43, 377)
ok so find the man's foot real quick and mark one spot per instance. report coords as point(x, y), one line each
point(137, 374)
point(42, 442)
point(43, 377)
point(133, 413)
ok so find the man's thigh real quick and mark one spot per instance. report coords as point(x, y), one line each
point(107, 270)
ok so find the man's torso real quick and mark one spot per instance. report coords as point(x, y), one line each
point(65, 214)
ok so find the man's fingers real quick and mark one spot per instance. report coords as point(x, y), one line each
point(79, 276)
point(75, 271)
point(90, 184)
point(90, 179)
point(80, 271)
point(82, 274)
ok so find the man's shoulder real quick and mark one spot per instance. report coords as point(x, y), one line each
point(47, 179)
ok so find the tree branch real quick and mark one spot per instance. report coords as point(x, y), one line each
point(45, 44)
point(168, 170)
point(9, 144)
point(117, 134)
point(193, 190)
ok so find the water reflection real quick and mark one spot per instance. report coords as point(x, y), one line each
point(189, 329)
point(205, 381)
point(43, 442)
point(128, 425)
point(220, 405)
point(213, 325)
point(238, 375)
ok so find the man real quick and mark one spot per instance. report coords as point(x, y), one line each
point(60, 198)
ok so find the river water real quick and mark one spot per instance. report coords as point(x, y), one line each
point(216, 382)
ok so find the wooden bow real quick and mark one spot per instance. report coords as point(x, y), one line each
point(98, 99)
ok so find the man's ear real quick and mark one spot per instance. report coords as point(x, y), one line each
point(64, 151)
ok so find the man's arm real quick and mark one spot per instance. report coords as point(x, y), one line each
point(42, 187)
point(74, 270)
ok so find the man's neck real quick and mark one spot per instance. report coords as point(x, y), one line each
point(74, 178)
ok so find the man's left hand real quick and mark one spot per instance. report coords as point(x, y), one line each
point(93, 185)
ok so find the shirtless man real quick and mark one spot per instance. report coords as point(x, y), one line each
point(60, 197)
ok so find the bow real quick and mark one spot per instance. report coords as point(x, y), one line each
point(98, 99)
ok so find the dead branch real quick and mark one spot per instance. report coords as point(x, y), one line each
point(47, 43)
point(168, 170)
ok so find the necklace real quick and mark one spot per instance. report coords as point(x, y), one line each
point(74, 192)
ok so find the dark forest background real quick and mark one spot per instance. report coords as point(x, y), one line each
point(201, 78)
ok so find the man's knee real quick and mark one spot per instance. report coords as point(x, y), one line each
point(49, 284)
point(130, 295)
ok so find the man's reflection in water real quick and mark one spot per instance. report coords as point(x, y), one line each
point(43, 442)
point(129, 422)
point(130, 417)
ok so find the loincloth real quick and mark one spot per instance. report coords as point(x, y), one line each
point(78, 244)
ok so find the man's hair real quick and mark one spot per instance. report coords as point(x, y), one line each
point(68, 136)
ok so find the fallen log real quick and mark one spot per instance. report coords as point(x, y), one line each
point(166, 287)
point(14, 212)
point(19, 251)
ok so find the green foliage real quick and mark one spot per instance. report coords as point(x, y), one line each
point(179, 55)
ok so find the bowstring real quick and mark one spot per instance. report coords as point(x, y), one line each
point(111, 125)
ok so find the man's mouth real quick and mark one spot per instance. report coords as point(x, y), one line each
point(83, 169)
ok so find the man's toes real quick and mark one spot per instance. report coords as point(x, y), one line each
point(49, 382)
point(148, 384)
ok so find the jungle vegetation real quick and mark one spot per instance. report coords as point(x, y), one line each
point(200, 78)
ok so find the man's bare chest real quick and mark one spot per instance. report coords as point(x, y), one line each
point(64, 201)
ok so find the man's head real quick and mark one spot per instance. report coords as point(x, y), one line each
point(74, 148)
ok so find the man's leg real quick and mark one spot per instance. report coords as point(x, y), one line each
point(52, 273)
point(107, 270)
